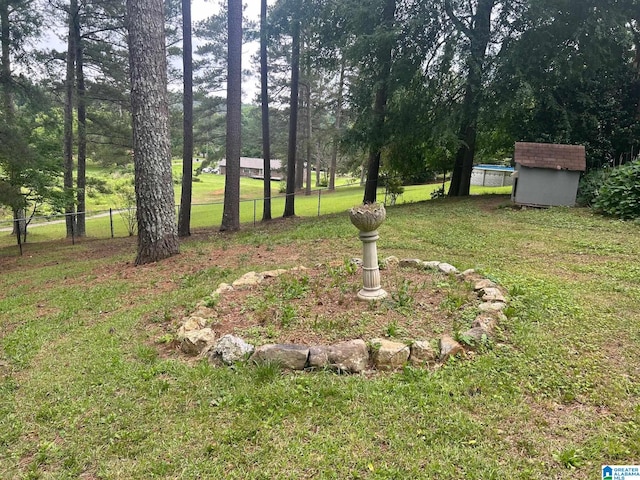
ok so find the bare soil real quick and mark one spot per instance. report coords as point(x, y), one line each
point(319, 305)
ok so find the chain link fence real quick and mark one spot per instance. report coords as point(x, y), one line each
point(121, 222)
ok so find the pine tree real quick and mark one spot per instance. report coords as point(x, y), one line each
point(157, 232)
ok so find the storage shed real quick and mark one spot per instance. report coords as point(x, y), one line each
point(547, 174)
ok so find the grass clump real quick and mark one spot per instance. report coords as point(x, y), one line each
point(402, 298)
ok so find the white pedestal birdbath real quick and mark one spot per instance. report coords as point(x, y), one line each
point(367, 218)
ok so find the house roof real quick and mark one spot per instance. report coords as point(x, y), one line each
point(549, 155)
point(257, 163)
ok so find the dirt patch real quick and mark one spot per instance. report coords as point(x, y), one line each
point(319, 306)
point(493, 202)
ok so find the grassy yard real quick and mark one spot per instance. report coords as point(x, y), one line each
point(207, 204)
point(207, 188)
point(88, 389)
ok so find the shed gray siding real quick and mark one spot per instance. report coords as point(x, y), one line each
point(545, 187)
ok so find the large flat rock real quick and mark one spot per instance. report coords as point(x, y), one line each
point(388, 355)
point(293, 357)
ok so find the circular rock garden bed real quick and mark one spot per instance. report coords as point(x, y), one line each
point(310, 318)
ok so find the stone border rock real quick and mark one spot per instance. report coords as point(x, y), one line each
point(353, 356)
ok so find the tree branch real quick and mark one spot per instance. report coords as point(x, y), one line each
point(456, 21)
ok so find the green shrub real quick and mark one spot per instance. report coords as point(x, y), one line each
point(394, 189)
point(590, 185)
point(619, 196)
point(439, 193)
point(99, 185)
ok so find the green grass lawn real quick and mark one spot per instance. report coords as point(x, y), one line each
point(207, 188)
point(207, 204)
point(87, 389)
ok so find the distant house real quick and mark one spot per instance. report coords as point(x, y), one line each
point(254, 167)
point(547, 174)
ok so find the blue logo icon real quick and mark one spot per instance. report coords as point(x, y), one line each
point(607, 473)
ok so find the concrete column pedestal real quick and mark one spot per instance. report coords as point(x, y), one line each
point(367, 218)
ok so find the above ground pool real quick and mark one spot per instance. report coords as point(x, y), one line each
point(491, 175)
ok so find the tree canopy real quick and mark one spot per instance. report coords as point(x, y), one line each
point(397, 89)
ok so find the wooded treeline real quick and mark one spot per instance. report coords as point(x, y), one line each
point(399, 89)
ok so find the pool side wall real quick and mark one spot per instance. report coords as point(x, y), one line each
point(488, 177)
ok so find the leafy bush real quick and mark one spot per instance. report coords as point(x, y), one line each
point(99, 185)
point(394, 188)
point(590, 185)
point(439, 193)
point(619, 196)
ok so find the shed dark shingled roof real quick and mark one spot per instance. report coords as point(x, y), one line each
point(549, 155)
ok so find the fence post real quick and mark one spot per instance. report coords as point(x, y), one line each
point(73, 230)
point(111, 221)
point(254, 212)
point(319, 192)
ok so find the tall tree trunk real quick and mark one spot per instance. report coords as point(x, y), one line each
point(157, 232)
point(479, 35)
point(300, 172)
point(231, 213)
point(264, 93)
point(635, 152)
point(318, 167)
point(636, 41)
point(69, 208)
point(289, 206)
point(9, 109)
point(20, 224)
point(5, 69)
point(373, 161)
point(337, 126)
point(81, 106)
point(380, 105)
point(184, 218)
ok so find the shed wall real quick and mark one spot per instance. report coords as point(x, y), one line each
point(546, 187)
